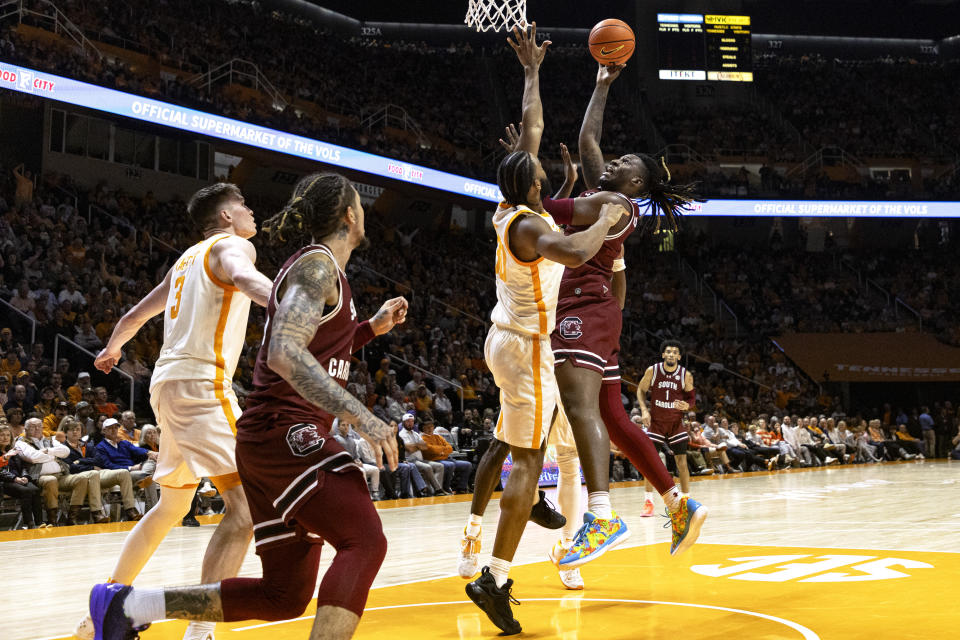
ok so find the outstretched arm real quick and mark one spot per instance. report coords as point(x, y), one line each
point(530, 56)
point(310, 286)
point(234, 259)
point(152, 304)
point(590, 155)
point(569, 250)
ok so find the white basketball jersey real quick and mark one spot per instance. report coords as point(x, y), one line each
point(204, 323)
point(526, 291)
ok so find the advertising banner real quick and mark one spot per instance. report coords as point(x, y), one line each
point(128, 105)
point(872, 357)
point(549, 475)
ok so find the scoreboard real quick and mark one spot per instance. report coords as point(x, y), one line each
point(697, 46)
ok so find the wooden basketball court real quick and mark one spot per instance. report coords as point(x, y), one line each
point(836, 553)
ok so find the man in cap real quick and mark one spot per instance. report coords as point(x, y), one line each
point(84, 415)
point(51, 421)
point(115, 453)
point(75, 391)
point(415, 447)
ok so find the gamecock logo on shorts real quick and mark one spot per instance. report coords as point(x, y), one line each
point(304, 439)
point(570, 327)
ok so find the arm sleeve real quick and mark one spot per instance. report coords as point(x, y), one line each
point(60, 450)
point(560, 210)
point(363, 335)
point(31, 454)
point(139, 453)
point(690, 397)
point(104, 460)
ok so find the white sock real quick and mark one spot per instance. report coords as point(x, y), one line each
point(473, 525)
point(499, 569)
point(598, 503)
point(648, 495)
point(671, 498)
point(144, 606)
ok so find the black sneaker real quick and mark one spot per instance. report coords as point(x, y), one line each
point(190, 521)
point(545, 515)
point(495, 602)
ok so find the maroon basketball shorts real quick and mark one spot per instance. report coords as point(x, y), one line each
point(672, 435)
point(281, 472)
point(588, 334)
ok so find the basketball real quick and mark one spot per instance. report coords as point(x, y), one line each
point(611, 42)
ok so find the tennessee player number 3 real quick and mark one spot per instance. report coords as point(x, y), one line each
point(175, 309)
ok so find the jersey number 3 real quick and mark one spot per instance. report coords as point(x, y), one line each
point(175, 309)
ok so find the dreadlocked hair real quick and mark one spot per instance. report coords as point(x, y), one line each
point(667, 201)
point(515, 176)
point(315, 209)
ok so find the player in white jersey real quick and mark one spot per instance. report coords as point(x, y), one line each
point(531, 255)
point(205, 299)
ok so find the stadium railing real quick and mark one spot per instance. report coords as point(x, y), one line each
point(898, 302)
point(23, 318)
point(92, 356)
point(455, 385)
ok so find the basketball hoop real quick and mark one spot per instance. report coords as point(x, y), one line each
point(484, 15)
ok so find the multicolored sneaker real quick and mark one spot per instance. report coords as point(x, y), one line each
point(686, 522)
point(595, 537)
point(570, 578)
point(469, 555)
point(106, 610)
point(647, 509)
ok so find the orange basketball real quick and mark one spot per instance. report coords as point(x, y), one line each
point(611, 42)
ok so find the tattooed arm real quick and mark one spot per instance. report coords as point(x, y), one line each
point(311, 285)
point(591, 158)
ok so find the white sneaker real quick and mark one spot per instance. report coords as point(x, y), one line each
point(469, 555)
point(199, 631)
point(570, 578)
point(84, 629)
point(829, 460)
point(920, 456)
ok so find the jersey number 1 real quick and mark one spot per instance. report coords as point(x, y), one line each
point(501, 266)
point(178, 285)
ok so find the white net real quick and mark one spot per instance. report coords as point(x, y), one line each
point(484, 15)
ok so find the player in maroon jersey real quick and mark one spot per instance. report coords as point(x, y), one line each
point(587, 338)
point(586, 342)
point(671, 393)
point(302, 487)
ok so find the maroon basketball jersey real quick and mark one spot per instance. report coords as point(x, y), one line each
point(665, 389)
point(600, 265)
point(273, 402)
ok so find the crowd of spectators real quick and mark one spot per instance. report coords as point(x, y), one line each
point(852, 291)
point(719, 445)
point(887, 107)
point(74, 277)
point(458, 97)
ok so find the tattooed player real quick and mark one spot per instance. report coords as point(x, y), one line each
point(302, 487)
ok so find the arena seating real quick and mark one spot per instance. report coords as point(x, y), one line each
point(855, 109)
